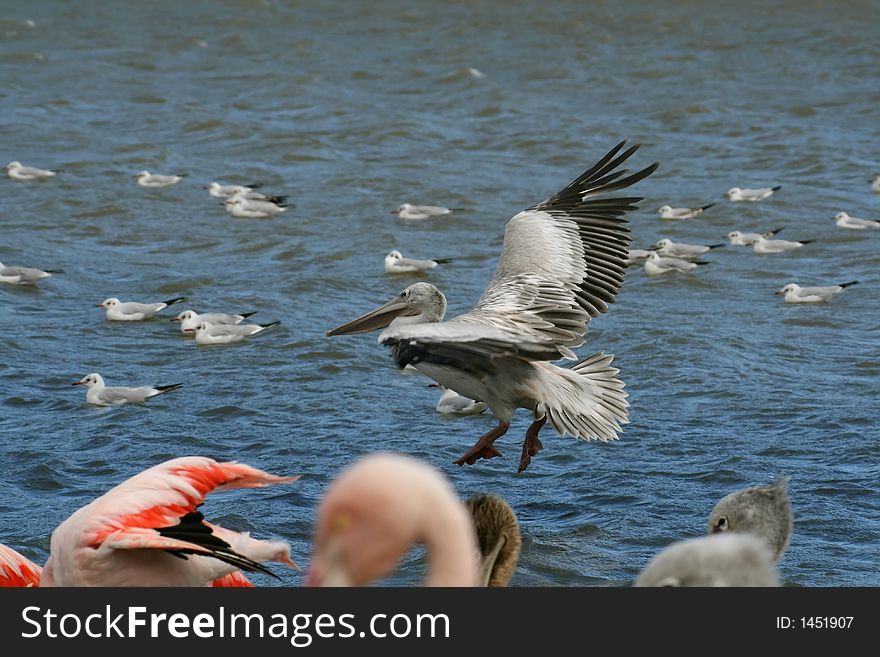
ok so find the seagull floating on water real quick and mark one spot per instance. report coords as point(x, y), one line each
point(133, 311)
point(239, 206)
point(875, 184)
point(667, 247)
point(100, 395)
point(409, 211)
point(668, 212)
point(843, 220)
point(217, 190)
point(636, 255)
point(395, 263)
point(17, 171)
point(190, 318)
point(794, 293)
point(562, 263)
point(762, 511)
point(451, 403)
point(737, 194)
point(147, 179)
point(657, 264)
point(207, 333)
point(763, 245)
point(23, 275)
point(747, 239)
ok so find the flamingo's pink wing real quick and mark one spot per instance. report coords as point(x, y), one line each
point(16, 570)
point(232, 580)
point(160, 496)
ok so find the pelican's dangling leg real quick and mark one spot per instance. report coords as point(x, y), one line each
point(531, 445)
point(484, 449)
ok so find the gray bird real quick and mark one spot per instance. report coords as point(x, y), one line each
point(764, 511)
point(716, 560)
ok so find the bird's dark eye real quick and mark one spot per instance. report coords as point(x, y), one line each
point(722, 523)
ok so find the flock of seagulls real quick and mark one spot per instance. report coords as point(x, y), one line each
point(206, 328)
point(562, 264)
point(667, 256)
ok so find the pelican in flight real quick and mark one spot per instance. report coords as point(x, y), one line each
point(562, 263)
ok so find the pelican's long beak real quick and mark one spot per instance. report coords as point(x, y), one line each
point(375, 319)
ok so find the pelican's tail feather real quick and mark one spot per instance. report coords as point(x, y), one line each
point(586, 401)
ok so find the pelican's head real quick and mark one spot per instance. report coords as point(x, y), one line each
point(664, 209)
point(841, 216)
point(662, 244)
point(90, 380)
point(112, 302)
point(402, 208)
point(734, 193)
point(420, 303)
point(791, 287)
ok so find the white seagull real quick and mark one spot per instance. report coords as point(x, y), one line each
point(875, 184)
point(794, 293)
point(636, 255)
point(23, 275)
point(409, 211)
point(147, 179)
point(132, 311)
point(17, 171)
point(248, 192)
point(451, 403)
point(667, 247)
point(189, 318)
point(747, 239)
point(239, 206)
point(737, 194)
point(395, 263)
point(227, 333)
point(657, 264)
point(562, 263)
point(100, 395)
point(843, 220)
point(763, 245)
point(668, 212)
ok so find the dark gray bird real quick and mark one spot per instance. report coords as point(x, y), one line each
point(715, 560)
point(764, 511)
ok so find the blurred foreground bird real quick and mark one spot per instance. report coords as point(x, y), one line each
point(376, 510)
point(762, 511)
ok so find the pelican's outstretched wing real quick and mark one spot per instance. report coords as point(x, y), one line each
point(562, 263)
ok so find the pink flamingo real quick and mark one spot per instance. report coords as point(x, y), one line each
point(380, 506)
point(147, 532)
